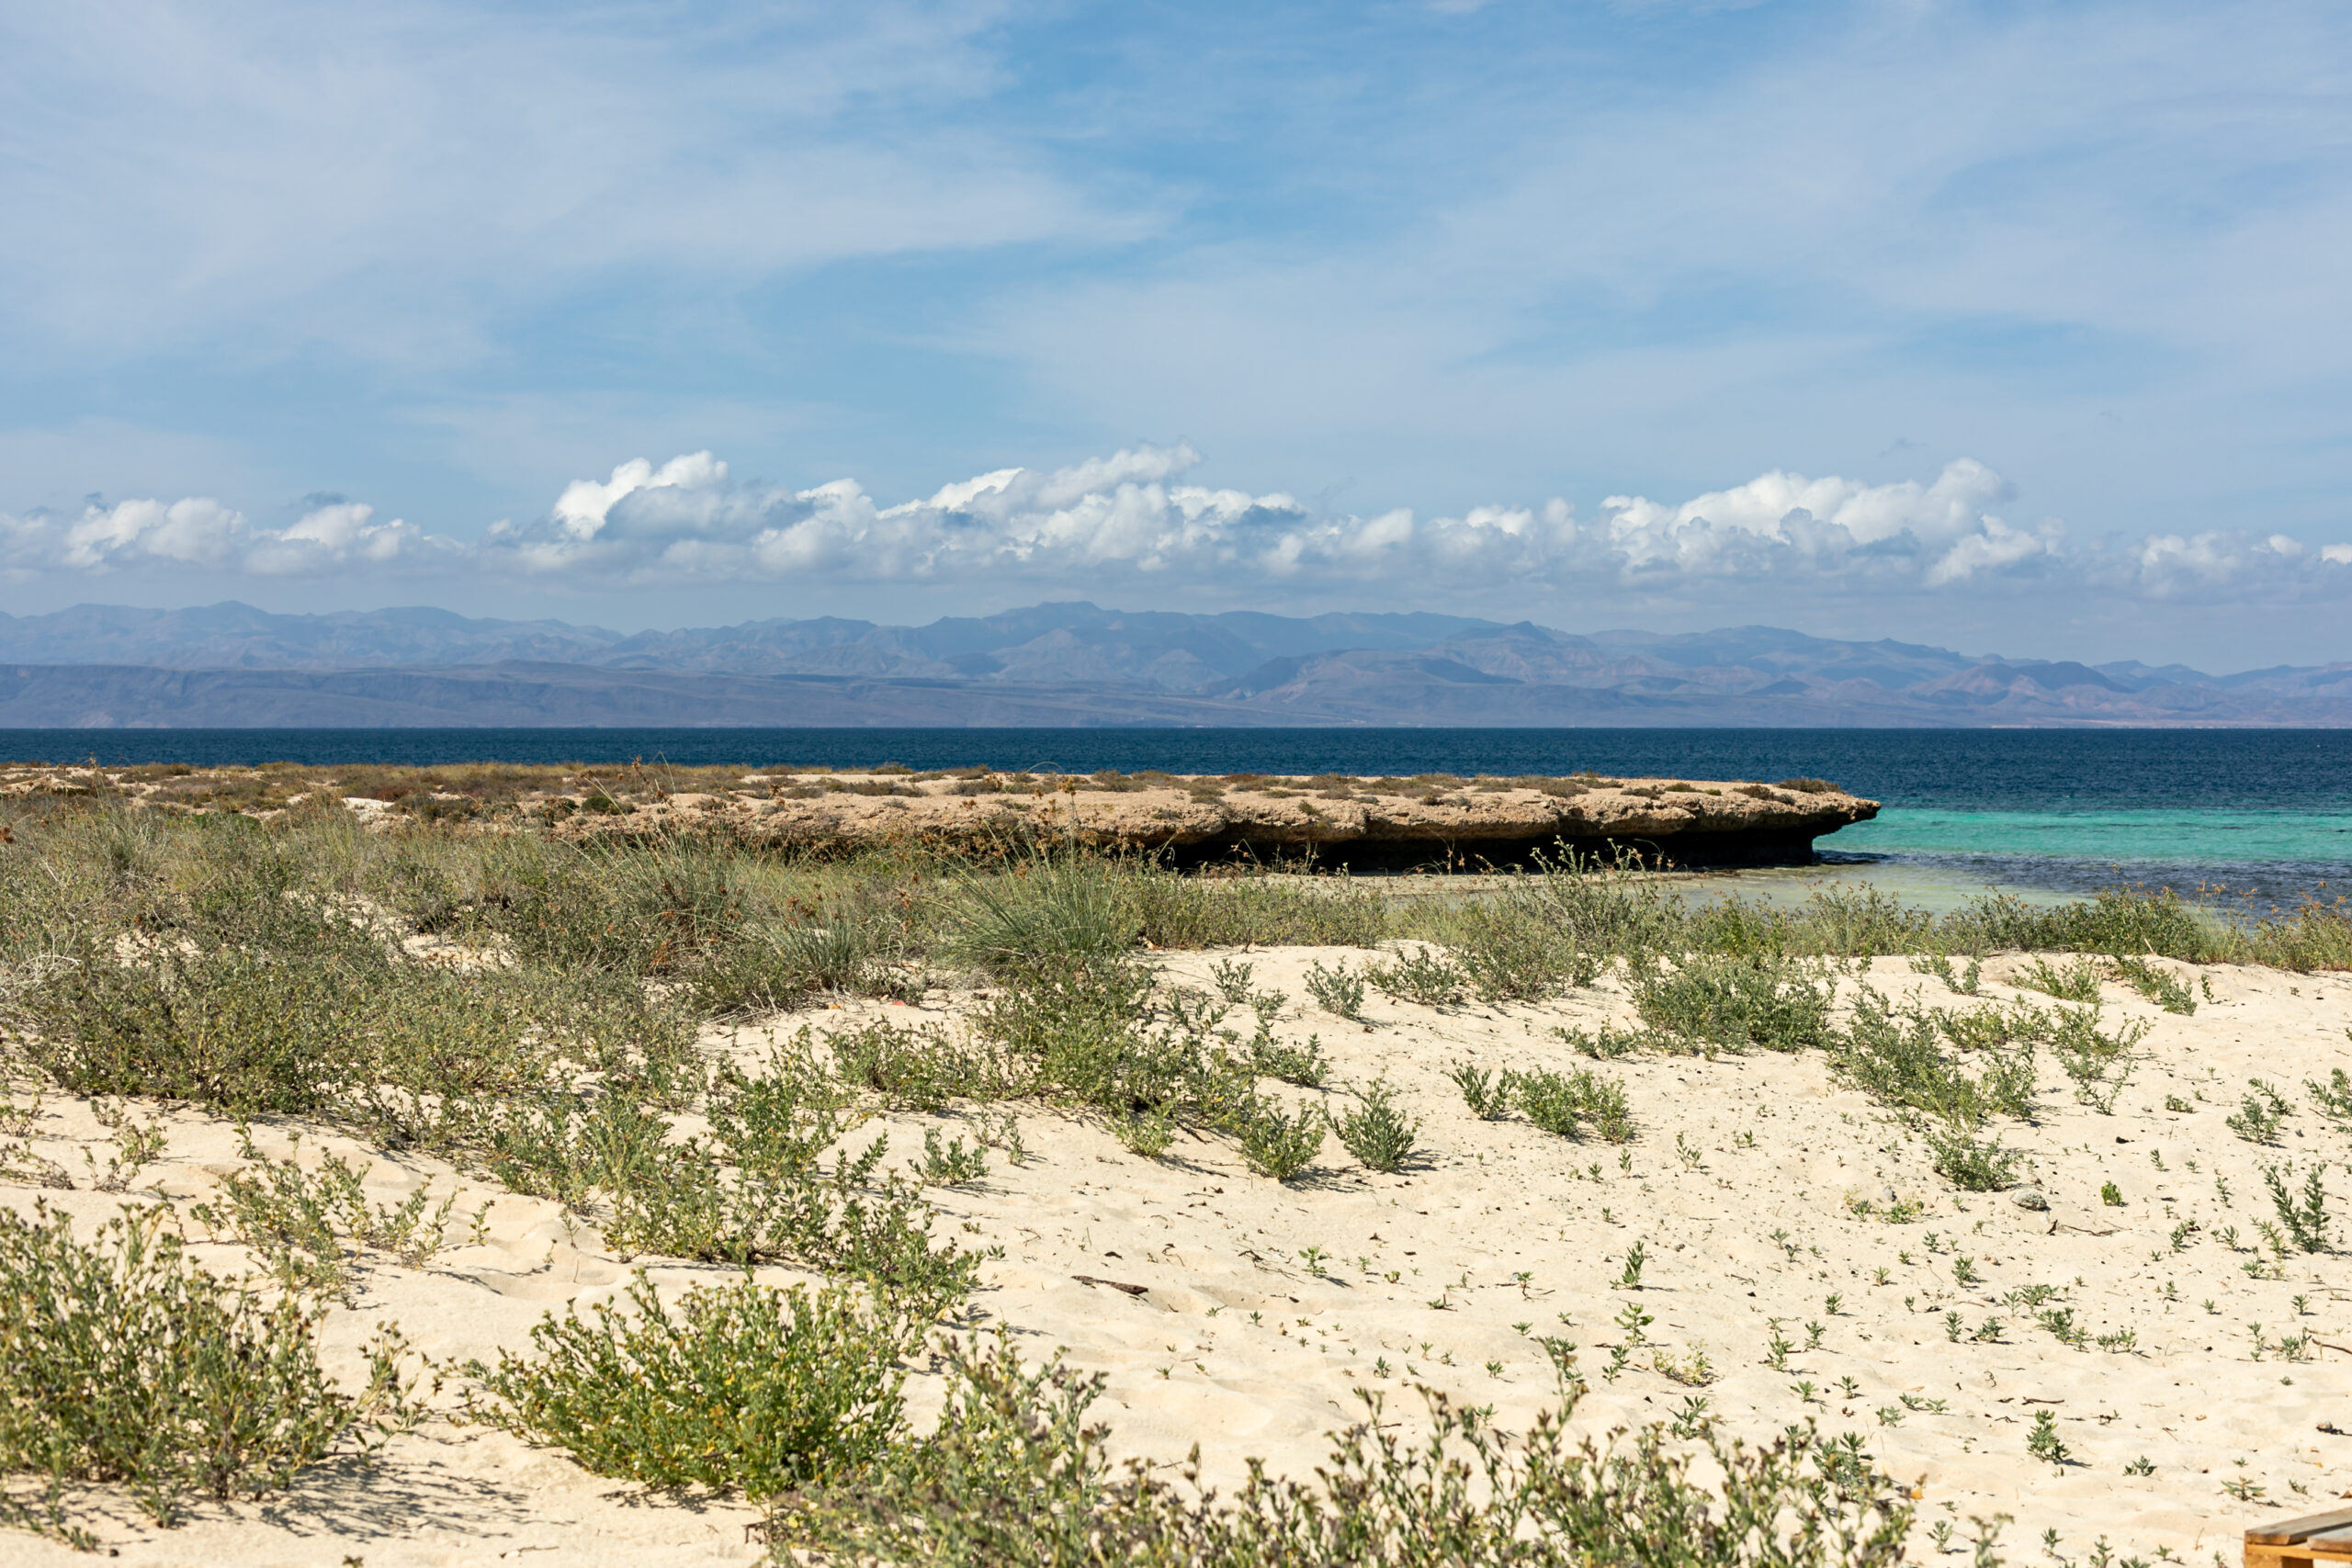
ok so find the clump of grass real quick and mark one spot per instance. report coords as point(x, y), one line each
point(1047, 913)
point(121, 1363)
point(744, 1388)
point(1016, 1473)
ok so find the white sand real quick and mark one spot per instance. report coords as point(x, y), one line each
point(1237, 1346)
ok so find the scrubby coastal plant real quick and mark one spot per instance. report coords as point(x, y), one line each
point(1564, 1103)
point(1335, 991)
point(1016, 1473)
point(2304, 1215)
point(308, 1226)
point(1375, 1130)
point(1488, 1095)
point(122, 1363)
point(2333, 1098)
point(1277, 1142)
point(2077, 982)
point(2155, 984)
point(743, 1387)
point(1421, 974)
point(1708, 1002)
point(2259, 1114)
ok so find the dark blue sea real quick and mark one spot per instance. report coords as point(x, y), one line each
point(2259, 815)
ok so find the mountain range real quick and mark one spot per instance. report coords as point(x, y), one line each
point(231, 665)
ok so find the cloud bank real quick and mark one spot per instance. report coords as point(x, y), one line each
point(1132, 518)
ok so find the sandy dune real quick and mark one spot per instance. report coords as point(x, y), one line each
point(1264, 1307)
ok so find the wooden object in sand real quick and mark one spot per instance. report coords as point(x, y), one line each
point(2315, 1540)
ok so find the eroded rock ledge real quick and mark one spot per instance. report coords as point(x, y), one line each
point(1429, 819)
point(1353, 822)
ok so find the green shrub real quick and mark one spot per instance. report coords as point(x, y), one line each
point(1375, 1130)
point(2258, 1115)
point(121, 1363)
point(1421, 975)
point(308, 1225)
point(1508, 951)
point(2333, 1098)
point(2078, 982)
point(1488, 1095)
point(1899, 1060)
point(2156, 985)
point(1303, 1066)
point(1563, 1103)
point(1277, 1142)
point(1015, 1473)
point(2098, 1063)
point(746, 1388)
point(1970, 1163)
point(1335, 991)
point(1733, 1003)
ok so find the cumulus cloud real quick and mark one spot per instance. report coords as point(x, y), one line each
point(1134, 519)
point(204, 535)
point(1132, 513)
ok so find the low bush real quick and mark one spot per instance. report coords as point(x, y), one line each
point(1508, 951)
point(1277, 1142)
point(744, 1388)
point(1968, 1162)
point(1375, 1130)
point(1015, 1473)
point(1422, 976)
point(122, 1363)
point(1898, 1059)
point(1488, 1095)
point(1565, 1103)
point(1732, 1003)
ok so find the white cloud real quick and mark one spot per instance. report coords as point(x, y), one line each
point(204, 535)
point(1131, 521)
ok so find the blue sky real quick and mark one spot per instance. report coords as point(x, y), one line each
point(2005, 325)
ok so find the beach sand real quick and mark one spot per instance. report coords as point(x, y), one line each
point(1265, 1307)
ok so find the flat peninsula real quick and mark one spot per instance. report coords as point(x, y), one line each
point(1422, 820)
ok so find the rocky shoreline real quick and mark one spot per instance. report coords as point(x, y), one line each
point(1426, 820)
point(1352, 821)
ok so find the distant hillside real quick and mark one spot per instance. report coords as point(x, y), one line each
point(233, 666)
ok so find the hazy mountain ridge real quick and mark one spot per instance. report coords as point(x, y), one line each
point(1066, 663)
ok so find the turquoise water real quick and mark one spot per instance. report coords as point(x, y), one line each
point(2178, 837)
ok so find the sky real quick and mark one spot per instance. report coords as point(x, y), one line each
point(2011, 326)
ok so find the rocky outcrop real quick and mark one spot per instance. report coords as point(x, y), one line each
point(1351, 821)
